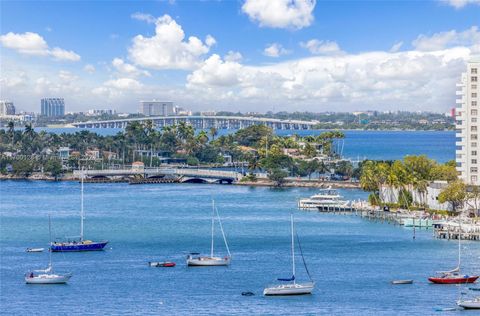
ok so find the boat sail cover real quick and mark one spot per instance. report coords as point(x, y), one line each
point(457, 269)
point(47, 270)
point(286, 280)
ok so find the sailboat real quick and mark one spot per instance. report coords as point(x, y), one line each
point(454, 276)
point(195, 260)
point(78, 243)
point(47, 276)
point(470, 304)
point(292, 287)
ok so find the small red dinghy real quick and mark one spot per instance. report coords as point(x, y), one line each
point(166, 264)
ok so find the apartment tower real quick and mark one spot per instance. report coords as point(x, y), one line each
point(468, 125)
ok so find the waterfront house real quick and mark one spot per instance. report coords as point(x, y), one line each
point(138, 166)
point(63, 152)
point(93, 153)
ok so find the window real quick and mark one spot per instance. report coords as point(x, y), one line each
point(474, 152)
point(474, 145)
point(474, 161)
point(474, 103)
point(474, 95)
point(473, 128)
point(474, 79)
point(474, 112)
point(474, 120)
point(474, 179)
point(473, 169)
point(474, 86)
point(473, 71)
point(473, 137)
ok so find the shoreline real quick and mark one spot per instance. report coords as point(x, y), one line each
point(258, 183)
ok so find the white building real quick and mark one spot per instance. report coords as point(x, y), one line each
point(157, 108)
point(6, 108)
point(468, 125)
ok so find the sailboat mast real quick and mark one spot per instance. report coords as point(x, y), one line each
point(213, 218)
point(81, 206)
point(293, 250)
point(50, 239)
point(459, 242)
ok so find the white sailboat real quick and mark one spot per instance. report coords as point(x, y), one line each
point(47, 276)
point(470, 304)
point(195, 260)
point(291, 288)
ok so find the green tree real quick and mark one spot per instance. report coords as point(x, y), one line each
point(54, 167)
point(454, 193)
point(23, 167)
point(277, 176)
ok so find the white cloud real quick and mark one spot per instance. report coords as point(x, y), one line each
point(168, 49)
point(62, 54)
point(396, 47)
point(458, 4)
point(291, 14)
point(144, 17)
point(123, 84)
point(318, 47)
point(444, 40)
point(33, 44)
point(128, 69)
point(408, 79)
point(89, 68)
point(233, 56)
point(275, 50)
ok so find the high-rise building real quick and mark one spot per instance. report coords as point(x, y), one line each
point(468, 125)
point(52, 107)
point(157, 108)
point(6, 108)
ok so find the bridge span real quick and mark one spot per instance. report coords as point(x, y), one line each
point(181, 174)
point(204, 122)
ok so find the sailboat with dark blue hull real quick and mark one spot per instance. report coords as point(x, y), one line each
point(76, 244)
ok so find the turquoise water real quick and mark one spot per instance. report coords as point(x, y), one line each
point(351, 259)
point(381, 145)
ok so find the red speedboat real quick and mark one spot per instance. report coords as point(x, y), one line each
point(166, 264)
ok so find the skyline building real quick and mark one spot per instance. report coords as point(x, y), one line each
point(52, 107)
point(468, 125)
point(6, 108)
point(157, 108)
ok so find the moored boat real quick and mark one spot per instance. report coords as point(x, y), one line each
point(402, 282)
point(34, 249)
point(76, 244)
point(470, 304)
point(159, 264)
point(292, 288)
point(47, 276)
point(196, 260)
point(325, 200)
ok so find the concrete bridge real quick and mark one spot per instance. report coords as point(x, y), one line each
point(184, 175)
point(204, 122)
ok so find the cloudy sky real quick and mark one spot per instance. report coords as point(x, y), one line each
point(247, 55)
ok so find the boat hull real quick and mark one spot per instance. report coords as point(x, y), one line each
point(396, 282)
point(48, 279)
point(208, 262)
point(475, 304)
point(459, 280)
point(289, 289)
point(162, 264)
point(77, 247)
point(35, 250)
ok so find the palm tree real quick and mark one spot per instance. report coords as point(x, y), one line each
point(213, 132)
point(11, 131)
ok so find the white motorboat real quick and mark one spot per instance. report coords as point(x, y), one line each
point(397, 282)
point(291, 288)
point(325, 200)
point(196, 260)
point(47, 276)
point(470, 304)
point(35, 249)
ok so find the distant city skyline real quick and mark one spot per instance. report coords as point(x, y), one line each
point(238, 55)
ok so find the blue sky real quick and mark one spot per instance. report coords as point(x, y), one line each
point(305, 55)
